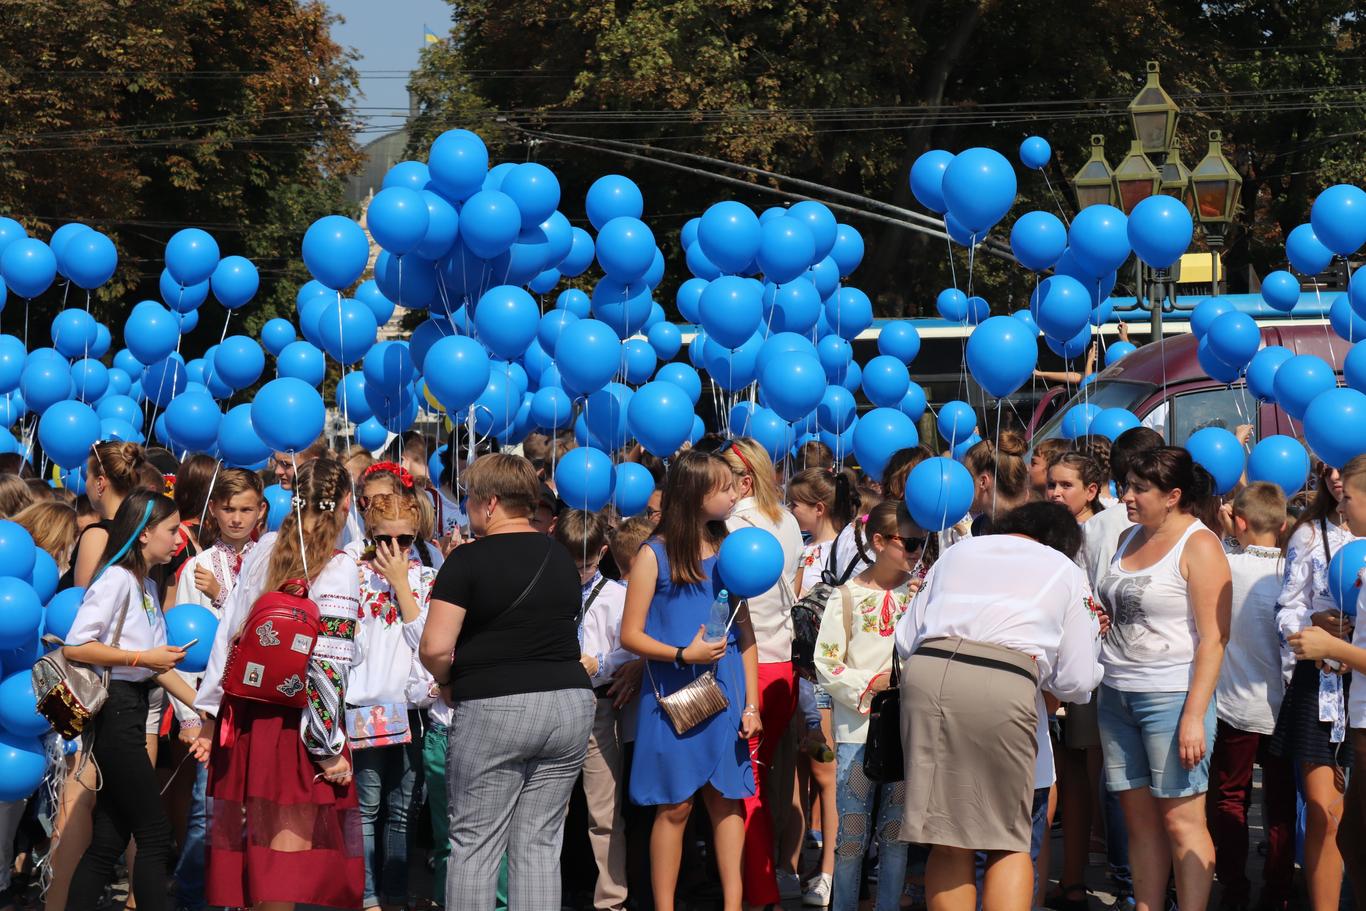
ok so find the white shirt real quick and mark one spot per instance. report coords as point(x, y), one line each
point(853, 649)
point(336, 591)
point(1013, 592)
point(1100, 536)
point(1250, 688)
point(770, 613)
point(223, 563)
point(1356, 700)
point(602, 628)
point(847, 553)
point(1304, 592)
point(1152, 640)
point(144, 627)
point(381, 675)
point(815, 560)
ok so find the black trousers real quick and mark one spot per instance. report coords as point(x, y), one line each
point(128, 805)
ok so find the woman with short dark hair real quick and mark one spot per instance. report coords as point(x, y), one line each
point(501, 637)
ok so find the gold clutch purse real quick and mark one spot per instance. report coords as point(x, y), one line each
point(694, 703)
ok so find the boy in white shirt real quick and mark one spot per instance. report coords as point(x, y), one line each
point(1248, 699)
point(584, 535)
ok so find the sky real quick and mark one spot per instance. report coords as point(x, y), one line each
point(388, 34)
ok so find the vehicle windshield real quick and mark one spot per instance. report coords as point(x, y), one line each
point(1101, 393)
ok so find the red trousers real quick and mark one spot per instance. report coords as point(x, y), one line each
point(1226, 806)
point(777, 705)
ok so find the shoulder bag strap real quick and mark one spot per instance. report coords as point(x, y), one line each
point(118, 631)
point(526, 591)
point(592, 596)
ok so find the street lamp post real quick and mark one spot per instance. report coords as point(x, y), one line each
point(1216, 184)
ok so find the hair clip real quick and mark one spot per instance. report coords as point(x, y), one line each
point(297, 502)
point(327, 505)
point(863, 519)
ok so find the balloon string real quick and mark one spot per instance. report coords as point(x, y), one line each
point(299, 513)
point(208, 498)
point(1048, 183)
point(996, 461)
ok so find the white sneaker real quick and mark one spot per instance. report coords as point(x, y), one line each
point(789, 885)
point(817, 893)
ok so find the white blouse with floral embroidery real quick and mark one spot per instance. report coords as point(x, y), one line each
point(853, 649)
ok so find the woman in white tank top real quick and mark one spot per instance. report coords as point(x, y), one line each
point(1169, 593)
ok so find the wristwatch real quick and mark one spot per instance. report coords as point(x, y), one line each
point(678, 659)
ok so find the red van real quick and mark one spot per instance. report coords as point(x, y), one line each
point(1169, 372)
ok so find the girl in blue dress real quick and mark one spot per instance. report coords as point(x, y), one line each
point(669, 595)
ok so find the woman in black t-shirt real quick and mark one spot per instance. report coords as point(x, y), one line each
point(501, 638)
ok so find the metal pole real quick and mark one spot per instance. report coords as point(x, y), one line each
point(1215, 240)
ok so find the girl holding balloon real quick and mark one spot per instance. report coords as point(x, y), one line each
point(671, 589)
point(120, 625)
point(1319, 747)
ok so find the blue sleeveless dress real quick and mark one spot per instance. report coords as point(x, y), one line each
point(668, 768)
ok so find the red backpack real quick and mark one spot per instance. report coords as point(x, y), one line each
point(268, 660)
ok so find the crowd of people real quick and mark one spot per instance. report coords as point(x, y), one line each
point(550, 707)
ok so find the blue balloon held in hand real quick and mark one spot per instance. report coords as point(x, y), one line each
point(1281, 460)
point(186, 623)
point(750, 562)
point(938, 493)
point(1218, 452)
point(1344, 574)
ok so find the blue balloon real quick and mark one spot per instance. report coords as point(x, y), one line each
point(66, 431)
point(900, 340)
point(19, 710)
point(1111, 422)
point(119, 382)
point(837, 410)
point(729, 235)
point(1306, 254)
point(1038, 239)
point(750, 562)
point(192, 419)
point(635, 485)
point(186, 322)
point(103, 340)
point(938, 493)
point(978, 310)
point(535, 190)
point(624, 307)
point(551, 408)
point(90, 379)
point(1261, 370)
point(849, 312)
point(1118, 352)
point(151, 332)
point(458, 163)
point(1060, 307)
point(303, 361)
point(1215, 368)
point(73, 332)
point(44, 576)
point(1298, 381)
point(179, 298)
point(1001, 355)
point(613, 196)
point(1098, 239)
point(1234, 338)
point(1076, 421)
point(879, 434)
point(885, 382)
point(117, 429)
point(638, 361)
point(660, 416)
point(350, 398)
point(786, 249)
point(730, 310)
point(979, 188)
point(553, 323)
point(1338, 216)
point(1074, 347)
point(90, 259)
point(60, 238)
point(848, 250)
point(952, 305)
point(389, 365)
point(1344, 320)
point(587, 355)
point(580, 256)
point(1344, 576)
point(186, 623)
point(574, 301)
point(1281, 290)
point(61, 612)
point(191, 256)
point(457, 372)
point(792, 307)
point(957, 421)
point(368, 293)
point(336, 251)
point(371, 434)
point(23, 760)
point(1035, 152)
point(28, 266)
point(234, 282)
point(793, 383)
point(585, 478)
point(682, 376)
point(279, 503)
point(927, 179)
point(665, 339)
point(1334, 422)
point(1206, 312)
point(238, 443)
point(820, 221)
point(1159, 230)
point(347, 330)
point(239, 361)
point(625, 248)
point(913, 403)
point(411, 174)
point(17, 550)
point(288, 414)
point(12, 357)
point(1280, 459)
point(506, 319)
point(1218, 452)
point(21, 613)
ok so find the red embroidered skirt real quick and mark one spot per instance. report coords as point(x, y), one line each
point(276, 834)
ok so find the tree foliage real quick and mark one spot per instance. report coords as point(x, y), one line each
point(847, 95)
point(139, 118)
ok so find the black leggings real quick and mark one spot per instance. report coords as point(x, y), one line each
point(128, 805)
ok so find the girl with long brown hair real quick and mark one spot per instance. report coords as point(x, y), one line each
point(669, 597)
point(112, 472)
point(300, 841)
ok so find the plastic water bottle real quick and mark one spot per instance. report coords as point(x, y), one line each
point(718, 618)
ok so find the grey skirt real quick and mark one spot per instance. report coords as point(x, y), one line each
point(968, 722)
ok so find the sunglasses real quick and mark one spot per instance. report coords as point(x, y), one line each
point(403, 542)
point(909, 544)
point(727, 445)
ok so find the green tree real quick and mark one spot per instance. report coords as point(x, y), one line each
point(142, 118)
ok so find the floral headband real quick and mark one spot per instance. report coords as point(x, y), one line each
point(392, 468)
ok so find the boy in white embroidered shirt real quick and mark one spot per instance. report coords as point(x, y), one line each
point(584, 534)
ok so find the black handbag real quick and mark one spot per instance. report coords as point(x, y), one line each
point(883, 758)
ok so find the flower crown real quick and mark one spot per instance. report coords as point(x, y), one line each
point(392, 468)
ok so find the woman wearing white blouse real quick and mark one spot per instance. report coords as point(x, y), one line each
point(120, 626)
point(1000, 618)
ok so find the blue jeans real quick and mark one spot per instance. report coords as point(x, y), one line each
point(189, 870)
point(854, 795)
point(1138, 735)
point(385, 780)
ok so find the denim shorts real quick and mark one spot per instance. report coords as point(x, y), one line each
point(1138, 736)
